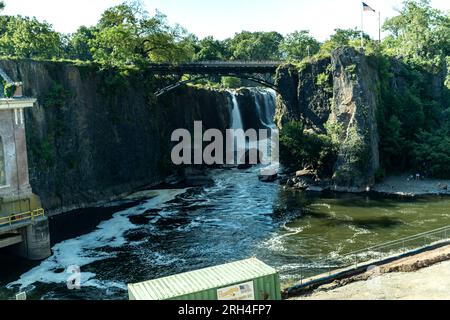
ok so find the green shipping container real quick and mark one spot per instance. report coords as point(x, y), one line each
point(243, 280)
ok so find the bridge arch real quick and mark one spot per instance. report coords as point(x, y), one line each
point(257, 80)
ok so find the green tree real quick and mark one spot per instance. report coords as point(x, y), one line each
point(419, 33)
point(432, 153)
point(28, 38)
point(255, 46)
point(344, 37)
point(2, 5)
point(126, 36)
point(299, 45)
point(211, 49)
point(78, 44)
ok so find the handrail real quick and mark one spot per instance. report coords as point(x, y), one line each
point(351, 260)
point(220, 63)
point(398, 241)
point(28, 215)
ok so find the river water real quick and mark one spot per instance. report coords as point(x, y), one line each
point(239, 217)
point(173, 231)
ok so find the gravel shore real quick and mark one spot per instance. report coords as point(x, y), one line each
point(405, 186)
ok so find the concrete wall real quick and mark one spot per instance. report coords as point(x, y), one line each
point(35, 243)
point(15, 182)
point(2, 164)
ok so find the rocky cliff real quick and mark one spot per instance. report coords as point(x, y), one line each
point(95, 135)
point(336, 96)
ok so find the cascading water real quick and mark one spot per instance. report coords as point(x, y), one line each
point(264, 108)
point(265, 100)
point(236, 112)
point(236, 123)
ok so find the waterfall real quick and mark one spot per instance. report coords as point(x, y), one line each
point(265, 100)
point(236, 112)
point(236, 122)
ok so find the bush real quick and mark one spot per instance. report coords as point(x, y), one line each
point(9, 89)
point(231, 82)
point(300, 148)
point(432, 153)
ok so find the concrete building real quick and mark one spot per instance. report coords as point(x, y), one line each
point(23, 224)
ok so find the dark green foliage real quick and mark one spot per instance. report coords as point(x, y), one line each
point(380, 175)
point(300, 148)
point(8, 89)
point(78, 44)
point(44, 152)
point(409, 110)
point(210, 49)
point(56, 97)
point(255, 46)
point(299, 45)
point(432, 153)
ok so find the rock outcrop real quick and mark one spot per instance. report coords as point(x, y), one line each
point(354, 112)
point(337, 96)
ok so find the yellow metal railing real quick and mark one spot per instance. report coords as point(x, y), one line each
point(14, 218)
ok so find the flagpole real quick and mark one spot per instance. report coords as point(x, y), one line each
point(362, 28)
point(379, 26)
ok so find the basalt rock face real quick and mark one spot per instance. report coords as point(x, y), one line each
point(92, 138)
point(306, 93)
point(354, 113)
point(337, 96)
point(287, 102)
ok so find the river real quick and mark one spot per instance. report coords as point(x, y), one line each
point(239, 217)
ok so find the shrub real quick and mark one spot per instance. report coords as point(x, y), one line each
point(301, 148)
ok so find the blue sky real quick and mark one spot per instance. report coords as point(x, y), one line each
point(223, 18)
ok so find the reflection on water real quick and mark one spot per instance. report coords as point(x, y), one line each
point(239, 217)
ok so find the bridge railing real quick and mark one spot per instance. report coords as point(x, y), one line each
point(240, 62)
point(237, 63)
point(19, 217)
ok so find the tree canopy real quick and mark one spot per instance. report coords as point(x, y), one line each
point(419, 33)
point(255, 46)
point(28, 38)
point(299, 45)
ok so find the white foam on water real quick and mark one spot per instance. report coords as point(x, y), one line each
point(277, 242)
point(326, 205)
point(84, 250)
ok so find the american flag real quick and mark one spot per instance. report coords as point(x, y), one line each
point(366, 7)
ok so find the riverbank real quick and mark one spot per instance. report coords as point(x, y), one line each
point(405, 185)
point(419, 277)
point(398, 185)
